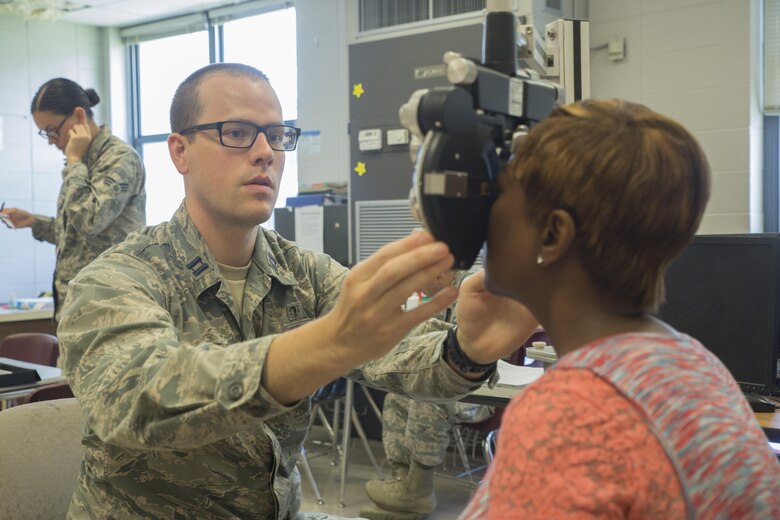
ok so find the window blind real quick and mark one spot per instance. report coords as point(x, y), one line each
point(222, 15)
point(164, 28)
point(772, 57)
point(377, 14)
point(198, 21)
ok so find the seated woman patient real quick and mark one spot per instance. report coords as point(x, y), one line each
point(636, 420)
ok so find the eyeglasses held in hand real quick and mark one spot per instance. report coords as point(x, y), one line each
point(242, 134)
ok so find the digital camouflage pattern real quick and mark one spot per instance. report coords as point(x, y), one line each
point(168, 374)
point(101, 200)
point(418, 430)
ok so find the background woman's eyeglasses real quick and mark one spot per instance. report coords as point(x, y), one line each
point(52, 134)
point(242, 134)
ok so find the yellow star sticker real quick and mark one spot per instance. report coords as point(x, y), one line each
point(357, 90)
point(360, 168)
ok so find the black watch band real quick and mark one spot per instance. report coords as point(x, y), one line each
point(454, 354)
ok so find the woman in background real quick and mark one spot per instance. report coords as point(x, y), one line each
point(102, 197)
point(636, 420)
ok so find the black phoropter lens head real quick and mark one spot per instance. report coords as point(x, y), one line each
point(455, 191)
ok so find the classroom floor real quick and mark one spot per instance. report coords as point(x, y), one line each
point(452, 494)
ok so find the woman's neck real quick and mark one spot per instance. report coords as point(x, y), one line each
point(575, 318)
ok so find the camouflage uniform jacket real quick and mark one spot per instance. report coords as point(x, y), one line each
point(168, 374)
point(101, 200)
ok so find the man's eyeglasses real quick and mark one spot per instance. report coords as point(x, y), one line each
point(241, 134)
point(52, 134)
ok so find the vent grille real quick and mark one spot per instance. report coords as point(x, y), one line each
point(377, 14)
point(379, 222)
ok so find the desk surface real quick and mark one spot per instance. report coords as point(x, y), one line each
point(47, 374)
point(9, 315)
point(770, 422)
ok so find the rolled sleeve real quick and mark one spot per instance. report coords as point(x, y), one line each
point(43, 229)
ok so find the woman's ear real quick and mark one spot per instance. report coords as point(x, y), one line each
point(81, 115)
point(557, 236)
point(177, 148)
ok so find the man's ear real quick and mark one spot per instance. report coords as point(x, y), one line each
point(557, 235)
point(178, 146)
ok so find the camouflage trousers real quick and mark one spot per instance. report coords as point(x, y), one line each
point(420, 431)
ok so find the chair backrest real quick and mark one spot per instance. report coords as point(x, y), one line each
point(32, 347)
point(336, 389)
point(40, 456)
point(49, 392)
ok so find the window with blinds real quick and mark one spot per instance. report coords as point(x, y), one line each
point(772, 57)
point(377, 14)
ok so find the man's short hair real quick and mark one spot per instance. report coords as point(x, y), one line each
point(635, 182)
point(186, 107)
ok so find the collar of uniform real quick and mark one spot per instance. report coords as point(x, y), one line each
point(195, 258)
point(270, 261)
point(97, 144)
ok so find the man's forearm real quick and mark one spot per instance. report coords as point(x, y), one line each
point(302, 360)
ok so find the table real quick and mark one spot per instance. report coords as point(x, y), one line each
point(47, 374)
point(770, 423)
point(500, 395)
point(16, 321)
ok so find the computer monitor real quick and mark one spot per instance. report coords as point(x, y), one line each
point(724, 290)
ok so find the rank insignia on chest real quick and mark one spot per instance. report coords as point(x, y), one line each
point(272, 262)
point(197, 266)
point(294, 312)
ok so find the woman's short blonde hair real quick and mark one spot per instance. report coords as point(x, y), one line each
point(635, 182)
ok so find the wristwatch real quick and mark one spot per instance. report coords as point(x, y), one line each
point(455, 354)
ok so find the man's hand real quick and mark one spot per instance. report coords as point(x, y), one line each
point(19, 217)
point(365, 323)
point(490, 327)
point(79, 138)
point(368, 319)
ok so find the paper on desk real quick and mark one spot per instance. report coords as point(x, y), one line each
point(6, 220)
point(515, 375)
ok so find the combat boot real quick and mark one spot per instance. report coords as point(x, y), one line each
point(414, 494)
point(399, 471)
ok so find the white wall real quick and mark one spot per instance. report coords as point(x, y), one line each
point(34, 52)
point(694, 60)
point(323, 93)
point(697, 62)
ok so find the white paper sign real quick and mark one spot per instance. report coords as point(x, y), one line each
point(310, 143)
point(310, 227)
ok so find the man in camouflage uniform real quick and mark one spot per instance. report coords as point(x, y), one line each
point(195, 345)
point(101, 200)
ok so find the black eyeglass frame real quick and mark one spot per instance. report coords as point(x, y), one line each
point(259, 129)
point(46, 134)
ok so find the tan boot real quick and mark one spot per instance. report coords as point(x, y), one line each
point(414, 494)
point(399, 471)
